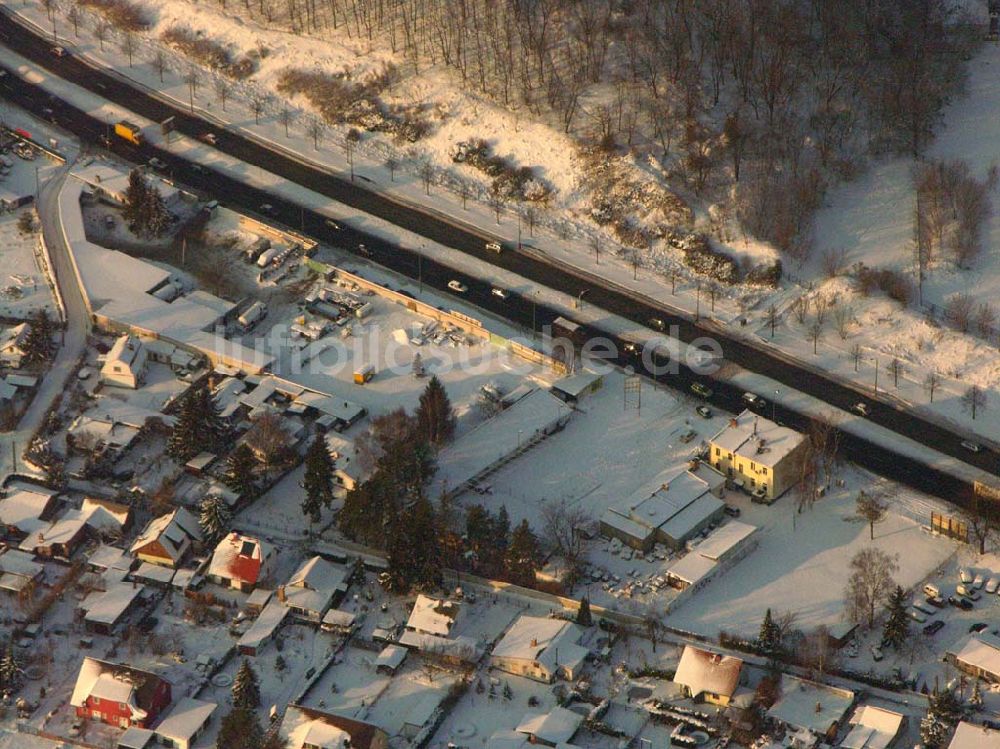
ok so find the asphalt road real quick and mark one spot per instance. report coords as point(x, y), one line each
point(520, 310)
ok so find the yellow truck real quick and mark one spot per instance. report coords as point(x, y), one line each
point(128, 131)
point(363, 374)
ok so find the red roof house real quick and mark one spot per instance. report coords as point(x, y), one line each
point(240, 562)
point(119, 695)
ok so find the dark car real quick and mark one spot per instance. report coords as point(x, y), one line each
point(657, 324)
point(733, 512)
point(936, 601)
point(960, 603)
point(934, 627)
point(978, 627)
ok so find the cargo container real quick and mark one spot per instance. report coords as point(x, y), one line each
point(254, 313)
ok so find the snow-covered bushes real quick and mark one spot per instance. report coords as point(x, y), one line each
point(512, 182)
point(892, 283)
point(702, 258)
point(121, 14)
point(209, 52)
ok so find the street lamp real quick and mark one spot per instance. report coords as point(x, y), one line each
point(579, 299)
point(774, 404)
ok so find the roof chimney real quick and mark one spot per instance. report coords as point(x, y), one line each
point(534, 642)
point(281, 593)
point(732, 422)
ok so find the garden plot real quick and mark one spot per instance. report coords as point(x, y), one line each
point(348, 687)
point(24, 285)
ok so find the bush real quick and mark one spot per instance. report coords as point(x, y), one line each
point(765, 275)
point(208, 52)
point(119, 13)
point(701, 258)
point(892, 283)
point(513, 183)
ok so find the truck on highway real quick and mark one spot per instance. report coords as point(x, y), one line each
point(128, 131)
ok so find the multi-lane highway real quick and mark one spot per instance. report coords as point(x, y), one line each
point(436, 275)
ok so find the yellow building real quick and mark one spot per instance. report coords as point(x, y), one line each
point(757, 454)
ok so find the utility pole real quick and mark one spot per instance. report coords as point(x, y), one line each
point(876, 375)
point(697, 301)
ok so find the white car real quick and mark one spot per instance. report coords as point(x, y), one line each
point(917, 616)
point(992, 584)
point(860, 408)
point(458, 286)
point(971, 446)
point(499, 293)
point(965, 575)
point(978, 581)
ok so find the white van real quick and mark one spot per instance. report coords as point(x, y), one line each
point(932, 590)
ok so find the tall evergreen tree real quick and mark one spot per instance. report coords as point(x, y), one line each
point(523, 555)
point(897, 622)
point(157, 215)
point(239, 471)
point(214, 518)
point(318, 480)
point(583, 616)
point(976, 698)
point(240, 729)
point(414, 554)
point(38, 344)
point(10, 669)
point(135, 202)
point(435, 416)
point(769, 638)
point(198, 427)
point(933, 732)
point(246, 688)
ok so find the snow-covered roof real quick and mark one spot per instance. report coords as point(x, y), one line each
point(303, 727)
point(335, 618)
point(115, 683)
point(461, 647)
point(757, 438)
point(21, 380)
point(980, 650)
point(185, 720)
point(101, 513)
point(506, 740)
point(872, 728)
point(241, 558)
point(704, 671)
point(174, 531)
point(724, 538)
point(270, 618)
point(127, 351)
point(433, 616)
point(691, 568)
point(135, 738)
point(550, 642)
point(17, 562)
point(259, 598)
point(23, 509)
point(154, 573)
point(576, 384)
point(971, 736)
point(555, 727)
point(106, 557)
point(109, 606)
point(314, 584)
point(391, 657)
point(809, 705)
point(62, 531)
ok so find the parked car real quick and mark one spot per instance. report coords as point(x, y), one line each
point(932, 590)
point(157, 164)
point(876, 653)
point(917, 616)
point(733, 512)
point(499, 293)
point(704, 412)
point(698, 389)
point(978, 581)
point(860, 408)
point(971, 446)
point(936, 601)
point(992, 584)
point(978, 627)
point(657, 324)
point(969, 592)
point(961, 603)
point(60, 52)
point(965, 575)
point(689, 435)
point(933, 628)
point(458, 286)
point(924, 607)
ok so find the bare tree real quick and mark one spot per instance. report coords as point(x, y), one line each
point(932, 381)
point(74, 16)
point(771, 319)
point(192, 78)
point(160, 63)
point(258, 103)
point(985, 319)
point(801, 309)
point(983, 518)
point(870, 508)
point(815, 332)
point(595, 243)
point(843, 313)
point(426, 173)
point(895, 369)
point(316, 129)
point(562, 525)
point(856, 355)
point(268, 439)
point(974, 400)
point(392, 165)
point(497, 202)
point(222, 90)
point(870, 584)
point(286, 117)
point(128, 45)
point(102, 30)
point(958, 309)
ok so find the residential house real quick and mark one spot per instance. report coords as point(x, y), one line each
point(681, 504)
point(542, 649)
point(430, 629)
point(103, 611)
point(125, 364)
point(433, 616)
point(312, 590)
point(100, 434)
point(240, 562)
point(19, 573)
point(874, 728)
point(421, 714)
point(119, 695)
point(708, 677)
point(723, 548)
point(185, 723)
point(389, 659)
point(26, 509)
point(308, 728)
point(106, 517)
point(758, 455)
point(59, 539)
point(978, 655)
point(972, 736)
point(338, 622)
point(805, 705)
point(12, 345)
point(264, 628)
point(168, 538)
point(554, 728)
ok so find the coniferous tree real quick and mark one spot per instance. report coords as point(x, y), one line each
point(583, 616)
point(933, 732)
point(136, 202)
point(157, 216)
point(897, 622)
point(944, 706)
point(246, 688)
point(239, 471)
point(435, 416)
point(523, 555)
point(198, 427)
point(769, 639)
point(318, 480)
point(976, 698)
point(10, 669)
point(414, 556)
point(240, 729)
point(37, 345)
point(214, 518)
